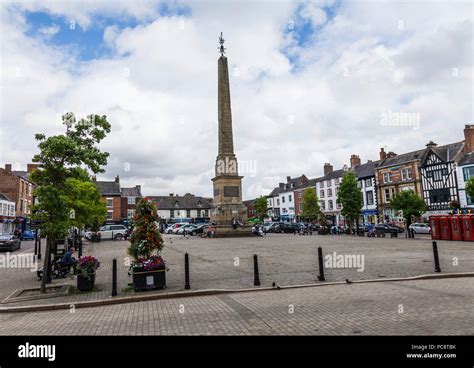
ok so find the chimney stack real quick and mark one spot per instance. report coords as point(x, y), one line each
point(281, 185)
point(327, 169)
point(355, 161)
point(171, 194)
point(8, 167)
point(383, 154)
point(469, 138)
point(391, 154)
point(117, 179)
point(288, 179)
point(31, 167)
point(431, 144)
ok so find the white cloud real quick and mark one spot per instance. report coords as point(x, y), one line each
point(158, 88)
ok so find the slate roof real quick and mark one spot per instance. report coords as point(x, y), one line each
point(132, 192)
point(366, 170)
point(467, 159)
point(108, 187)
point(447, 152)
point(21, 174)
point(403, 158)
point(186, 202)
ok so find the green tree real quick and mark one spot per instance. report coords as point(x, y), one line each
point(409, 203)
point(146, 239)
point(310, 205)
point(61, 159)
point(350, 198)
point(261, 208)
point(470, 187)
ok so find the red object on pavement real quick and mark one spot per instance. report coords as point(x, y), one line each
point(468, 227)
point(455, 222)
point(435, 227)
point(445, 227)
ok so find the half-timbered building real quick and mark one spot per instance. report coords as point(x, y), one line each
point(438, 176)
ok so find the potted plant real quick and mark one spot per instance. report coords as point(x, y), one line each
point(147, 267)
point(86, 268)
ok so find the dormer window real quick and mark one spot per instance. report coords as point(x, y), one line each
point(199, 204)
point(176, 204)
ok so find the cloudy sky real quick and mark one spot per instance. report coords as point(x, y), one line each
point(311, 82)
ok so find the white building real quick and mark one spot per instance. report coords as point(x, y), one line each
point(187, 207)
point(7, 215)
point(464, 171)
point(326, 190)
point(285, 200)
point(366, 180)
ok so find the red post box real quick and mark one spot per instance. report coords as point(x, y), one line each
point(445, 227)
point(468, 227)
point(456, 227)
point(435, 228)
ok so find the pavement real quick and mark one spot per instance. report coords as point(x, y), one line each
point(284, 259)
point(422, 307)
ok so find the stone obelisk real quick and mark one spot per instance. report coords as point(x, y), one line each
point(228, 212)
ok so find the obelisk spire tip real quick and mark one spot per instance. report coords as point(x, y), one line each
point(221, 48)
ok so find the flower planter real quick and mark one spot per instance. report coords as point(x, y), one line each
point(85, 282)
point(148, 280)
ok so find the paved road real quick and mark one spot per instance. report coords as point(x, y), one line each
point(428, 307)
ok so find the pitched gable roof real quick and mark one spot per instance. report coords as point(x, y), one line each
point(186, 202)
point(108, 187)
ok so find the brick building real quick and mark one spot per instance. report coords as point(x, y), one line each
point(130, 198)
point(111, 193)
point(15, 185)
point(7, 215)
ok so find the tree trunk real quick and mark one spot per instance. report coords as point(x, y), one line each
point(46, 264)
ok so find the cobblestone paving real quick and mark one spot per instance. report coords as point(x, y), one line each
point(283, 259)
point(423, 307)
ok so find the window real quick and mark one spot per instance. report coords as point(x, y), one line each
point(368, 183)
point(330, 205)
point(171, 213)
point(206, 213)
point(439, 195)
point(387, 177)
point(407, 174)
point(336, 180)
point(130, 213)
point(329, 192)
point(387, 195)
point(283, 199)
point(323, 206)
point(289, 198)
point(300, 195)
point(321, 193)
point(321, 184)
point(469, 200)
point(110, 202)
point(21, 205)
point(278, 201)
point(369, 197)
point(328, 183)
point(110, 215)
point(338, 206)
point(188, 213)
point(359, 184)
point(468, 172)
point(131, 200)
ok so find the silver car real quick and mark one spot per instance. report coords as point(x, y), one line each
point(9, 242)
point(420, 228)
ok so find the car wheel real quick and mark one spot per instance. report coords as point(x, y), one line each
point(118, 237)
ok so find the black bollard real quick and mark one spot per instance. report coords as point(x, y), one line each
point(187, 286)
point(321, 265)
point(80, 248)
point(36, 242)
point(114, 277)
point(436, 257)
point(39, 247)
point(256, 278)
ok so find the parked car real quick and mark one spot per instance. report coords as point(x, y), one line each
point(9, 242)
point(106, 232)
point(289, 227)
point(419, 228)
point(170, 228)
point(272, 227)
point(188, 228)
point(176, 229)
point(382, 229)
point(27, 235)
point(198, 228)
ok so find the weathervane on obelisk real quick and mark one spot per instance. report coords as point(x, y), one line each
point(221, 48)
